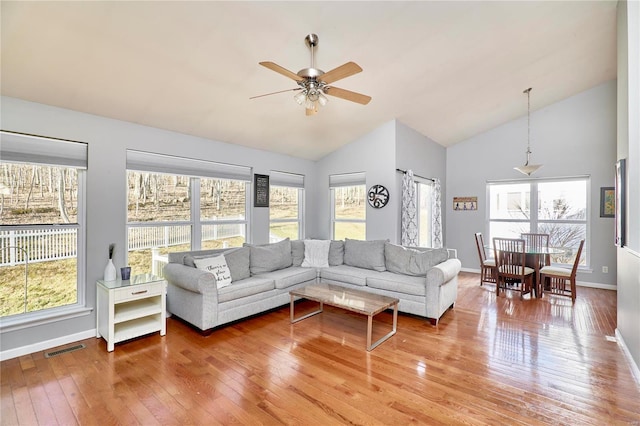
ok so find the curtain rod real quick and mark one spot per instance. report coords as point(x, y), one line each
point(421, 177)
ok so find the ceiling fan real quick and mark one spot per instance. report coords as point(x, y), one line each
point(314, 83)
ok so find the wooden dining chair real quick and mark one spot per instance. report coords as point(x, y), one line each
point(487, 265)
point(561, 281)
point(511, 270)
point(537, 241)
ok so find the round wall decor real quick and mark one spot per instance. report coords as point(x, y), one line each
point(378, 196)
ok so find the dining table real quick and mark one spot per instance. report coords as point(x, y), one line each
point(532, 260)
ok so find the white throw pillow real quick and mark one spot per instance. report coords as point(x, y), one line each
point(217, 265)
point(316, 253)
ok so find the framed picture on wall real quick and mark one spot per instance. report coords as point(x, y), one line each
point(261, 190)
point(607, 202)
point(620, 189)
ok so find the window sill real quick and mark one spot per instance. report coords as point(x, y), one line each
point(19, 322)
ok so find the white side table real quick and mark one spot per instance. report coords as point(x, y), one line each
point(131, 308)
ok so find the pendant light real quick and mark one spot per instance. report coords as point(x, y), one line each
point(528, 169)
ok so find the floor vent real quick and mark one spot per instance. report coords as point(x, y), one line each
point(610, 338)
point(64, 351)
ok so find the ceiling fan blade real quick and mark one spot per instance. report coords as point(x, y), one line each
point(311, 111)
point(275, 93)
point(280, 70)
point(343, 71)
point(347, 94)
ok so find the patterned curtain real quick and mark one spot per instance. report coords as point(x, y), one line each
point(436, 211)
point(409, 211)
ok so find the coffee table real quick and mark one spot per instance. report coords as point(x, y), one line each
point(362, 302)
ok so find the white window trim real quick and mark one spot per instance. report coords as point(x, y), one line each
point(59, 313)
point(300, 219)
point(332, 203)
point(534, 211)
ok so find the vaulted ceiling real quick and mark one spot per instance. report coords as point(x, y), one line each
point(449, 70)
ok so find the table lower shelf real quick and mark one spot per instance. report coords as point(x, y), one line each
point(137, 327)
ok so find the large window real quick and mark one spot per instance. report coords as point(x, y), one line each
point(286, 201)
point(177, 204)
point(558, 207)
point(42, 225)
point(348, 206)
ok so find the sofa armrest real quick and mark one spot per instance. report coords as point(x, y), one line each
point(192, 279)
point(443, 272)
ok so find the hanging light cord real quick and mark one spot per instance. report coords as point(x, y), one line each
point(528, 92)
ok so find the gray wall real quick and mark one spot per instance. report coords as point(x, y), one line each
point(629, 147)
point(106, 187)
point(572, 137)
point(424, 157)
point(374, 154)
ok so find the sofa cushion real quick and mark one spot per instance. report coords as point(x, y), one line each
point(412, 261)
point(398, 283)
point(347, 274)
point(238, 261)
point(297, 252)
point(216, 265)
point(270, 257)
point(364, 254)
point(316, 253)
point(336, 253)
point(244, 288)
point(288, 277)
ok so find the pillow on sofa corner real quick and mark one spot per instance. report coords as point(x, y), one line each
point(216, 265)
point(297, 252)
point(316, 254)
point(336, 253)
point(365, 254)
point(415, 261)
point(269, 257)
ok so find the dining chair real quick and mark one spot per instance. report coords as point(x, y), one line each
point(537, 241)
point(487, 265)
point(561, 281)
point(511, 270)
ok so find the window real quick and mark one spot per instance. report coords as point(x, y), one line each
point(558, 207)
point(42, 254)
point(348, 206)
point(286, 200)
point(424, 195)
point(179, 204)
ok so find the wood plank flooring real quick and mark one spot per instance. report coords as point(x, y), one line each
point(491, 360)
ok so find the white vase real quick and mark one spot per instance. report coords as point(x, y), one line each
point(110, 271)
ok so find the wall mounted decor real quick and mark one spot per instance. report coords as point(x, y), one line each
point(261, 190)
point(378, 196)
point(465, 203)
point(607, 202)
point(621, 187)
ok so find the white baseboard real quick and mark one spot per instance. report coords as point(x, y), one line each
point(47, 344)
point(578, 283)
point(635, 370)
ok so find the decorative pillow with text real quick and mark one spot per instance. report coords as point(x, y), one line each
point(216, 265)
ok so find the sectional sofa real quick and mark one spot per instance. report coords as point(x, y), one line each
point(209, 288)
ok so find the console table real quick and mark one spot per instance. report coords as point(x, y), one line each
point(130, 308)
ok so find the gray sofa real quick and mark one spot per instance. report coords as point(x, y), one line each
point(424, 280)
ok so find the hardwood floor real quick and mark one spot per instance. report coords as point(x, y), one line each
point(489, 361)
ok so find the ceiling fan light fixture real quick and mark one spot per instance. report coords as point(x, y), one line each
point(528, 169)
point(300, 97)
point(322, 99)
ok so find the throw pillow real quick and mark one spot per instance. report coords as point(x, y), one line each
point(216, 265)
point(238, 262)
point(316, 254)
point(270, 257)
point(297, 252)
point(364, 254)
point(336, 253)
point(415, 261)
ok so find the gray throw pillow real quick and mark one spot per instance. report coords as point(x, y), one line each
point(414, 261)
point(270, 257)
point(238, 263)
point(297, 252)
point(364, 254)
point(336, 253)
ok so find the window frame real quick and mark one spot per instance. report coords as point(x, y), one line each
point(299, 220)
point(534, 221)
point(346, 181)
point(74, 157)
